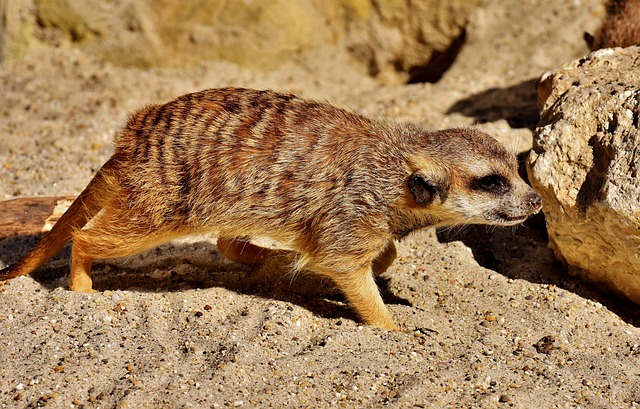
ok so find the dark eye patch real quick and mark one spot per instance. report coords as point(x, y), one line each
point(493, 183)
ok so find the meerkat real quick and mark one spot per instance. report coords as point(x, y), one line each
point(337, 187)
point(621, 27)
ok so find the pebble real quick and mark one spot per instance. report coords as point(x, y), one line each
point(545, 344)
point(504, 398)
point(115, 297)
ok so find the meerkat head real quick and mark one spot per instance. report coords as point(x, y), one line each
point(464, 176)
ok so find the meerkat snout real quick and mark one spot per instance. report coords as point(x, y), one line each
point(535, 200)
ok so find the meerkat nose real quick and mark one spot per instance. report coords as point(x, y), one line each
point(536, 202)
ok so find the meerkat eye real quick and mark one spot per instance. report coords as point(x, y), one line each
point(493, 183)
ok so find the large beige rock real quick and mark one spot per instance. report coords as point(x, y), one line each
point(393, 40)
point(586, 165)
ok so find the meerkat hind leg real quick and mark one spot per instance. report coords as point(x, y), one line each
point(80, 279)
point(109, 237)
point(240, 250)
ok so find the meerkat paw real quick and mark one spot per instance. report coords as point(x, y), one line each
point(386, 325)
point(82, 286)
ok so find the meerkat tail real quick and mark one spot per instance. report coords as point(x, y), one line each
point(83, 209)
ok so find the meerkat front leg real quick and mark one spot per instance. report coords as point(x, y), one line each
point(357, 283)
point(240, 250)
point(360, 288)
point(383, 260)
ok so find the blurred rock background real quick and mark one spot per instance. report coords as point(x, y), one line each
point(395, 41)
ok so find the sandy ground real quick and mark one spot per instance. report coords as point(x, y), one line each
point(490, 319)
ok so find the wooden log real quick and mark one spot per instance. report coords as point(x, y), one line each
point(31, 215)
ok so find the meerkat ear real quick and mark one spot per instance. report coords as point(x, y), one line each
point(425, 189)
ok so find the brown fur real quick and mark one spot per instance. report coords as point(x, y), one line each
point(337, 187)
point(621, 28)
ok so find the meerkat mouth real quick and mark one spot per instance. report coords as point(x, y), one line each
point(507, 219)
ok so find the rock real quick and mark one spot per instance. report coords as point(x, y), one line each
point(585, 163)
point(414, 41)
point(395, 41)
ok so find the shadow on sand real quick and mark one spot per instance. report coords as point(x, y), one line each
point(522, 253)
point(517, 104)
point(177, 267)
